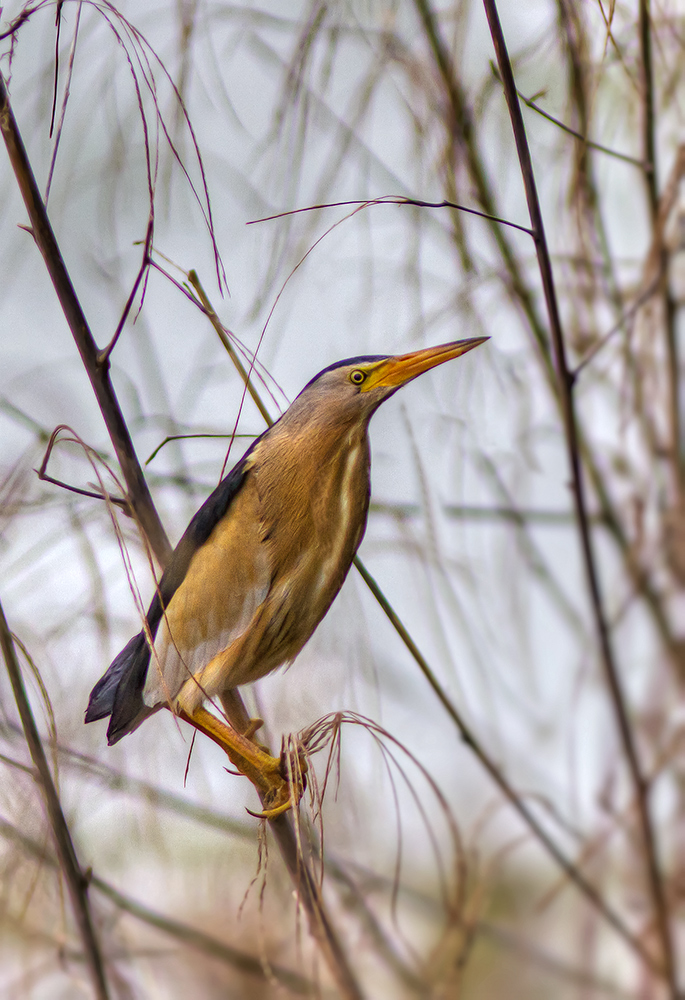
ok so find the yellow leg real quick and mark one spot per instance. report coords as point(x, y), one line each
point(238, 717)
point(267, 773)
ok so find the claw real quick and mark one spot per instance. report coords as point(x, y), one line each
point(279, 799)
point(272, 813)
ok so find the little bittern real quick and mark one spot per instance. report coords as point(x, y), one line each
point(260, 563)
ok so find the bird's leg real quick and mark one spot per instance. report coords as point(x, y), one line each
point(238, 717)
point(234, 708)
point(267, 773)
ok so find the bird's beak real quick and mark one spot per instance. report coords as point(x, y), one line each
point(398, 370)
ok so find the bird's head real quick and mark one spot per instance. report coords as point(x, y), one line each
point(351, 390)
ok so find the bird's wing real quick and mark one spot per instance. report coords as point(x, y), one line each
point(119, 692)
point(227, 580)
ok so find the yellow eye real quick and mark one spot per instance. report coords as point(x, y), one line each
point(357, 376)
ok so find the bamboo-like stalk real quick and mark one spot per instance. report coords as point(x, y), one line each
point(618, 700)
point(77, 884)
point(141, 504)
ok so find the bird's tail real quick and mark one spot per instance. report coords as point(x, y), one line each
point(119, 693)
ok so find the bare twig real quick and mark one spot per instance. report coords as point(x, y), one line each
point(67, 87)
point(68, 861)
point(394, 199)
point(230, 349)
point(104, 354)
point(642, 164)
point(618, 701)
point(651, 181)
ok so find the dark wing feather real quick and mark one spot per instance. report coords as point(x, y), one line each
point(119, 692)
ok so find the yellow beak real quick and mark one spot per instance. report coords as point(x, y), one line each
point(404, 367)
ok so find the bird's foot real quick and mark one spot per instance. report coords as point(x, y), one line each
point(280, 781)
point(287, 789)
point(253, 726)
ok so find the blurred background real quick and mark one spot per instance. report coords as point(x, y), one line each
point(215, 115)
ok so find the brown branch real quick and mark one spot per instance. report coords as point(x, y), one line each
point(394, 199)
point(68, 861)
point(230, 349)
point(104, 355)
point(146, 514)
point(565, 381)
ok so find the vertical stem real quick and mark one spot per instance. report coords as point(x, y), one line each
point(565, 380)
point(141, 502)
point(76, 882)
point(651, 181)
point(648, 120)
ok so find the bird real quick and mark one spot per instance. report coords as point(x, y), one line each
point(260, 564)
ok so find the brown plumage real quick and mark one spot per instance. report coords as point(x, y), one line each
point(264, 557)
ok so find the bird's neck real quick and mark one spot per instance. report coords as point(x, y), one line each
point(303, 470)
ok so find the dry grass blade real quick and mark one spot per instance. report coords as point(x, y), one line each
point(181, 932)
point(68, 861)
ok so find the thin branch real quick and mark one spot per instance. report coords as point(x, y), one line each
point(642, 164)
point(394, 199)
point(184, 437)
point(68, 861)
point(44, 477)
point(67, 88)
point(648, 119)
point(509, 513)
point(651, 180)
point(225, 340)
point(91, 494)
point(104, 355)
point(58, 25)
point(565, 381)
point(643, 297)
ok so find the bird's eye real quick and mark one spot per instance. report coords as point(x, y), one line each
point(357, 376)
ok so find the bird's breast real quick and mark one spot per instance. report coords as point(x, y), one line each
point(313, 526)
